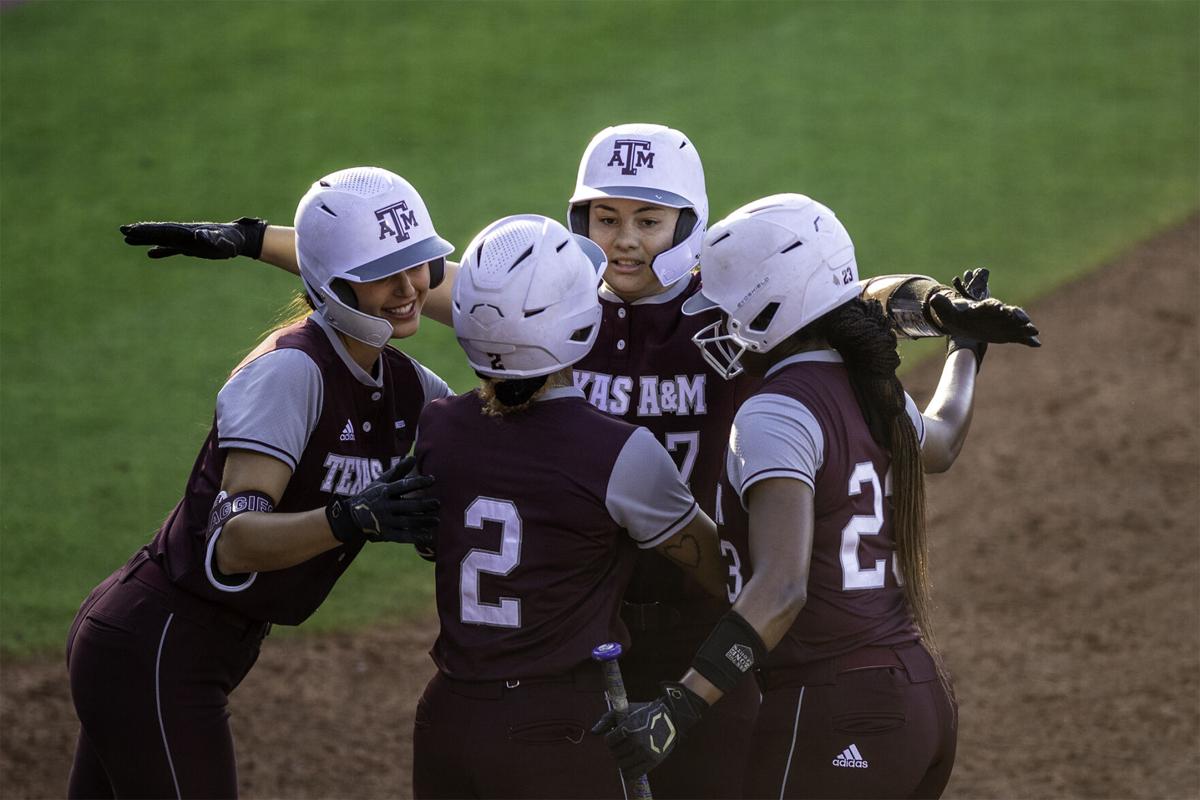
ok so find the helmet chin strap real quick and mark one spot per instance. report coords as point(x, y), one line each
point(341, 311)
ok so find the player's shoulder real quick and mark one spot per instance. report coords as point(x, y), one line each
point(813, 369)
point(288, 337)
point(405, 367)
point(281, 366)
point(467, 405)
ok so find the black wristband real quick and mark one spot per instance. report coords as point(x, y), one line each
point(254, 229)
point(729, 652)
point(974, 345)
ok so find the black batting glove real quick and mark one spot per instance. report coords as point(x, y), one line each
point(970, 312)
point(641, 738)
point(391, 509)
point(973, 285)
point(242, 237)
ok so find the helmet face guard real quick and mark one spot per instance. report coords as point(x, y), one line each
point(721, 349)
point(356, 226)
point(652, 163)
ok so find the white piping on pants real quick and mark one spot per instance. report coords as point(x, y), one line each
point(158, 703)
point(795, 729)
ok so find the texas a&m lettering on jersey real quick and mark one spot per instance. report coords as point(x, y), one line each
point(347, 475)
point(654, 396)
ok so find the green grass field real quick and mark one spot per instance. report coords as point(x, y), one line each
point(1035, 138)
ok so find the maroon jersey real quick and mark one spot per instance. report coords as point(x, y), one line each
point(542, 513)
point(854, 597)
point(645, 369)
point(359, 430)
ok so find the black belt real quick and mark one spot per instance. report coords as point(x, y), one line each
point(585, 678)
point(145, 570)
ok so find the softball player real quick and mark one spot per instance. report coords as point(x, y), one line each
point(640, 194)
point(823, 500)
point(545, 504)
point(300, 469)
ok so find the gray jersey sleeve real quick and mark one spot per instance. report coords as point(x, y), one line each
point(434, 387)
point(271, 405)
point(773, 437)
point(646, 495)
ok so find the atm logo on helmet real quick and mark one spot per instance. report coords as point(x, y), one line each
point(400, 218)
point(631, 155)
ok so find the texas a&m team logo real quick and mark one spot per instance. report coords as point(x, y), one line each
point(396, 220)
point(631, 155)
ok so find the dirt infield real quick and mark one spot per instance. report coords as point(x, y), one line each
point(1066, 555)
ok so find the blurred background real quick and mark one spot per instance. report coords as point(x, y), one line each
point(1034, 138)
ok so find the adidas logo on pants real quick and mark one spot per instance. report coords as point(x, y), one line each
point(850, 757)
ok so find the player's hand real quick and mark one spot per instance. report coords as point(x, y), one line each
point(641, 738)
point(242, 237)
point(391, 509)
point(971, 312)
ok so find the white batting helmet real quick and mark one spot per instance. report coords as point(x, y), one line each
point(359, 225)
point(525, 301)
point(773, 266)
point(652, 163)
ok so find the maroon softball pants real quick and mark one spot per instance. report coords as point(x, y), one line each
point(513, 739)
point(844, 730)
point(150, 676)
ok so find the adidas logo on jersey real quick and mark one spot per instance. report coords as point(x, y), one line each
point(347, 432)
point(850, 757)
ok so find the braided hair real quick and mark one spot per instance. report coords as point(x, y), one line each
point(861, 332)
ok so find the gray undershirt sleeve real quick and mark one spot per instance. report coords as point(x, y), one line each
point(773, 437)
point(271, 405)
point(434, 387)
point(646, 495)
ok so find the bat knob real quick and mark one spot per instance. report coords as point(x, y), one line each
point(607, 651)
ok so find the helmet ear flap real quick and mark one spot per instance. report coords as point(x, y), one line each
point(344, 292)
point(577, 218)
point(684, 225)
point(437, 271)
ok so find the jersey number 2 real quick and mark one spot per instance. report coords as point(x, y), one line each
point(506, 613)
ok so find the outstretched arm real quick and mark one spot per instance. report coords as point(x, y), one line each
point(279, 248)
point(254, 238)
point(948, 415)
point(920, 307)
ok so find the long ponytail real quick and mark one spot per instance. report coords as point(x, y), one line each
point(861, 333)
